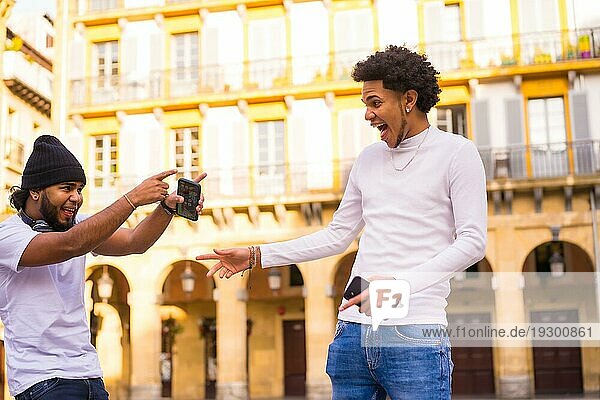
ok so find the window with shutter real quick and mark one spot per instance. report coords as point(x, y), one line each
point(390, 31)
point(353, 33)
point(267, 52)
point(184, 78)
point(443, 35)
point(539, 16)
point(104, 149)
point(222, 52)
point(547, 137)
point(270, 157)
point(106, 71)
point(452, 119)
point(309, 25)
point(187, 150)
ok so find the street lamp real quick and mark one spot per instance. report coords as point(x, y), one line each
point(105, 285)
point(274, 279)
point(557, 265)
point(188, 279)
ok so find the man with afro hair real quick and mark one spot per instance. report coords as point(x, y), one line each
point(420, 196)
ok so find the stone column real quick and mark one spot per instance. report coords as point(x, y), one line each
point(320, 319)
point(232, 379)
point(513, 366)
point(145, 333)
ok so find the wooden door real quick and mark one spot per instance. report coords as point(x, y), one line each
point(473, 371)
point(294, 343)
point(557, 370)
point(473, 366)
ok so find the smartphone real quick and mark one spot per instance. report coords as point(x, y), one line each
point(190, 191)
point(355, 287)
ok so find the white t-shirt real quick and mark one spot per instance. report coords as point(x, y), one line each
point(46, 332)
point(421, 224)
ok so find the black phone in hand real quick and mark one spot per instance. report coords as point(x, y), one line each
point(190, 191)
point(356, 287)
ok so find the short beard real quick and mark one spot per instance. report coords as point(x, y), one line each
point(401, 135)
point(50, 214)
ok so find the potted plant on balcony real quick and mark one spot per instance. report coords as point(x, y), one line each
point(583, 43)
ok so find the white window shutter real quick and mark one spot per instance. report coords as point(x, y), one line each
point(77, 58)
point(297, 157)
point(129, 51)
point(481, 119)
point(476, 12)
point(210, 155)
point(580, 120)
point(433, 20)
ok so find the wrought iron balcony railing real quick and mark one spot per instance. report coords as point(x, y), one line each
point(228, 78)
point(326, 181)
point(246, 184)
point(578, 158)
point(473, 55)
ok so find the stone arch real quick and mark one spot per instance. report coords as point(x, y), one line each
point(172, 282)
point(199, 269)
point(560, 295)
point(121, 285)
point(577, 259)
point(188, 341)
point(340, 276)
point(109, 325)
point(341, 272)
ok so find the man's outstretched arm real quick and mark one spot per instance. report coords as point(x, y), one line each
point(139, 239)
point(55, 247)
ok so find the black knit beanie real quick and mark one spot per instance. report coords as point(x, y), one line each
point(50, 163)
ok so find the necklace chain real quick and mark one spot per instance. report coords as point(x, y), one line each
point(414, 155)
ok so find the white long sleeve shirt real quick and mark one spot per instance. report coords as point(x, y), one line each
point(421, 224)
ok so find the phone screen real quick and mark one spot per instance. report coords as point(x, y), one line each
point(190, 191)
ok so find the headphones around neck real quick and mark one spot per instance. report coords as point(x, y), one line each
point(37, 225)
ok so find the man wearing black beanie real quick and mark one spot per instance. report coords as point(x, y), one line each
point(42, 270)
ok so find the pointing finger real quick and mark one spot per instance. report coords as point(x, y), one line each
point(208, 256)
point(164, 174)
point(200, 177)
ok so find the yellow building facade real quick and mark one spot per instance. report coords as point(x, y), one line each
point(257, 93)
point(25, 95)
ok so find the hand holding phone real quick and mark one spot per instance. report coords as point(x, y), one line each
point(190, 191)
point(356, 287)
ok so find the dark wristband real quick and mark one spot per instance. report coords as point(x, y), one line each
point(168, 210)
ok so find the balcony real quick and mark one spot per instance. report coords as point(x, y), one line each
point(324, 182)
point(553, 160)
point(235, 79)
point(518, 50)
point(104, 6)
point(242, 186)
point(28, 80)
point(320, 72)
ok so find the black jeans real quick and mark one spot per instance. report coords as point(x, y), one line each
point(66, 389)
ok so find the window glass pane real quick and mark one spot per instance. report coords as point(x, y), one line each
point(537, 121)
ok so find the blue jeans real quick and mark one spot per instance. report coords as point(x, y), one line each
point(398, 361)
point(66, 389)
